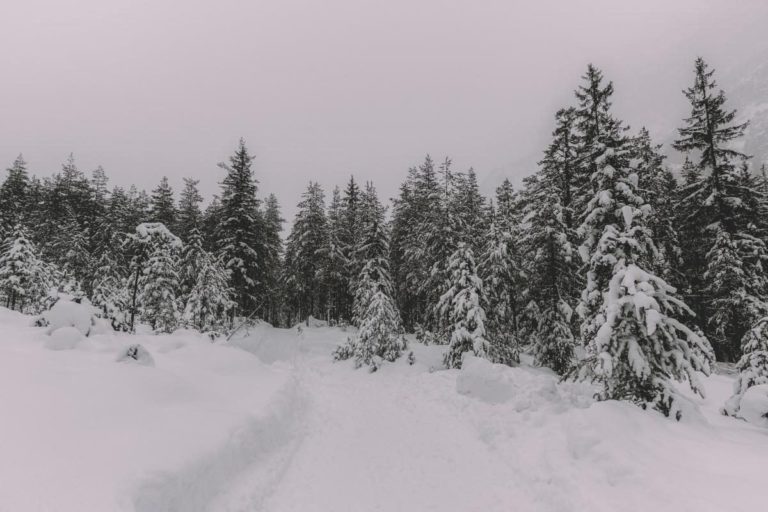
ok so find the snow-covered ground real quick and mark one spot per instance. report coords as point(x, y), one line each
point(270, 423)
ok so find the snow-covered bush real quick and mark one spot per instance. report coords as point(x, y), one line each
point(137, 354)
point(752, 367)
point(64, 338)
point(25, 279)
point(69, 311)
point(754, 405)
point(462, 308)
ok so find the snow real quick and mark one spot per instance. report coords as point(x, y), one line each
point(269, 422)
point(68, 313)
point(64, 338)
point(754, 405)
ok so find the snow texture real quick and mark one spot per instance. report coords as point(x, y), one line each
point(269, 422)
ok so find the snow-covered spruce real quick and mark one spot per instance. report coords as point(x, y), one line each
point(379, 337)
point(461, 307)
point(110, 293)
point(25, 279)
point(154, 276)
point(636, 343)
point(500, 273)
point(753, 366)
point(206, 292)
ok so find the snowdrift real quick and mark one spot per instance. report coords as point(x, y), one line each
point(269, 422)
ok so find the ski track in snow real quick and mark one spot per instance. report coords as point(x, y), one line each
point(238, 475)
point(319, 436)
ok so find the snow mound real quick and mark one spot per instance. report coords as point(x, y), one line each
point(754, 405)
point(67, 312)
point(524, 388)
point(137, 354)
point(64, 338)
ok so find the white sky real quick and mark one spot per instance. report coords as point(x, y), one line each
point(322, 89)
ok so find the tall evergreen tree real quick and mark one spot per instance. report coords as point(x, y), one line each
point(25, 279)
point(13, 196)
point(190, 216)
point(163, 204)
point(273, 260)
point(304, 261)
point(718, 218)
point(461, 308)
point(379, 336)
point(240, 230)
point(636, 343)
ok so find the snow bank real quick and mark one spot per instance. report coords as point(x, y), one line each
point(754, 405)
point(84, 433)
point(68, 312)
point(64, 338)
point(269, 422)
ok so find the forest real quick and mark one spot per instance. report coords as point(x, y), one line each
point(607, 265)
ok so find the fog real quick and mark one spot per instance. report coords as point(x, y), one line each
point(324, 89)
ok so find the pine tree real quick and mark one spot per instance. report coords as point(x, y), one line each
point(110, 293)
point(240, 230)
point(500, 271)
point(718, 217)
point(304, 260)
point(25, 280)
point(189, 216)
point(163, 205)
point(379, 336)
point(416, 215)
point(594, 124)
point(13, 196)
point(636, 343)
point(659, 186)
point(205, 289)
point(752, 367)
point(272, 261)
point(153, 281)
point(549, 240)
point(159, 288)
point(335, 273)
point(462, 310)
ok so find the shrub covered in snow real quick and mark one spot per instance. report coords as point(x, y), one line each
point(137, 354)
point(70, 311)
point(754, 405)
point(752, 367)
point(64, 338)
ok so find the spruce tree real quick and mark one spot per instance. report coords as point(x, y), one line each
point(13, 196)
point(240, 230)
point(461, 309)
point(304, 259)
point(718, 218)
point(159, 288)
point(205, 290)
point(549, 242)
point(272, 261)
point(110, 293)
point(752, 367)
point(379, 337)
point(25, 280)
point(153, 279)
point(636, 343)
point(335, 273)
point(189, 216)
point(163, 205)
point(416, 216)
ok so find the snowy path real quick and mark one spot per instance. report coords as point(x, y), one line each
point(490, 439)
point(211, 428)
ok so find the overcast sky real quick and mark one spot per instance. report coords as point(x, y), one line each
point(327, 88)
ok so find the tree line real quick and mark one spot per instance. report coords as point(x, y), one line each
point(654, 273)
